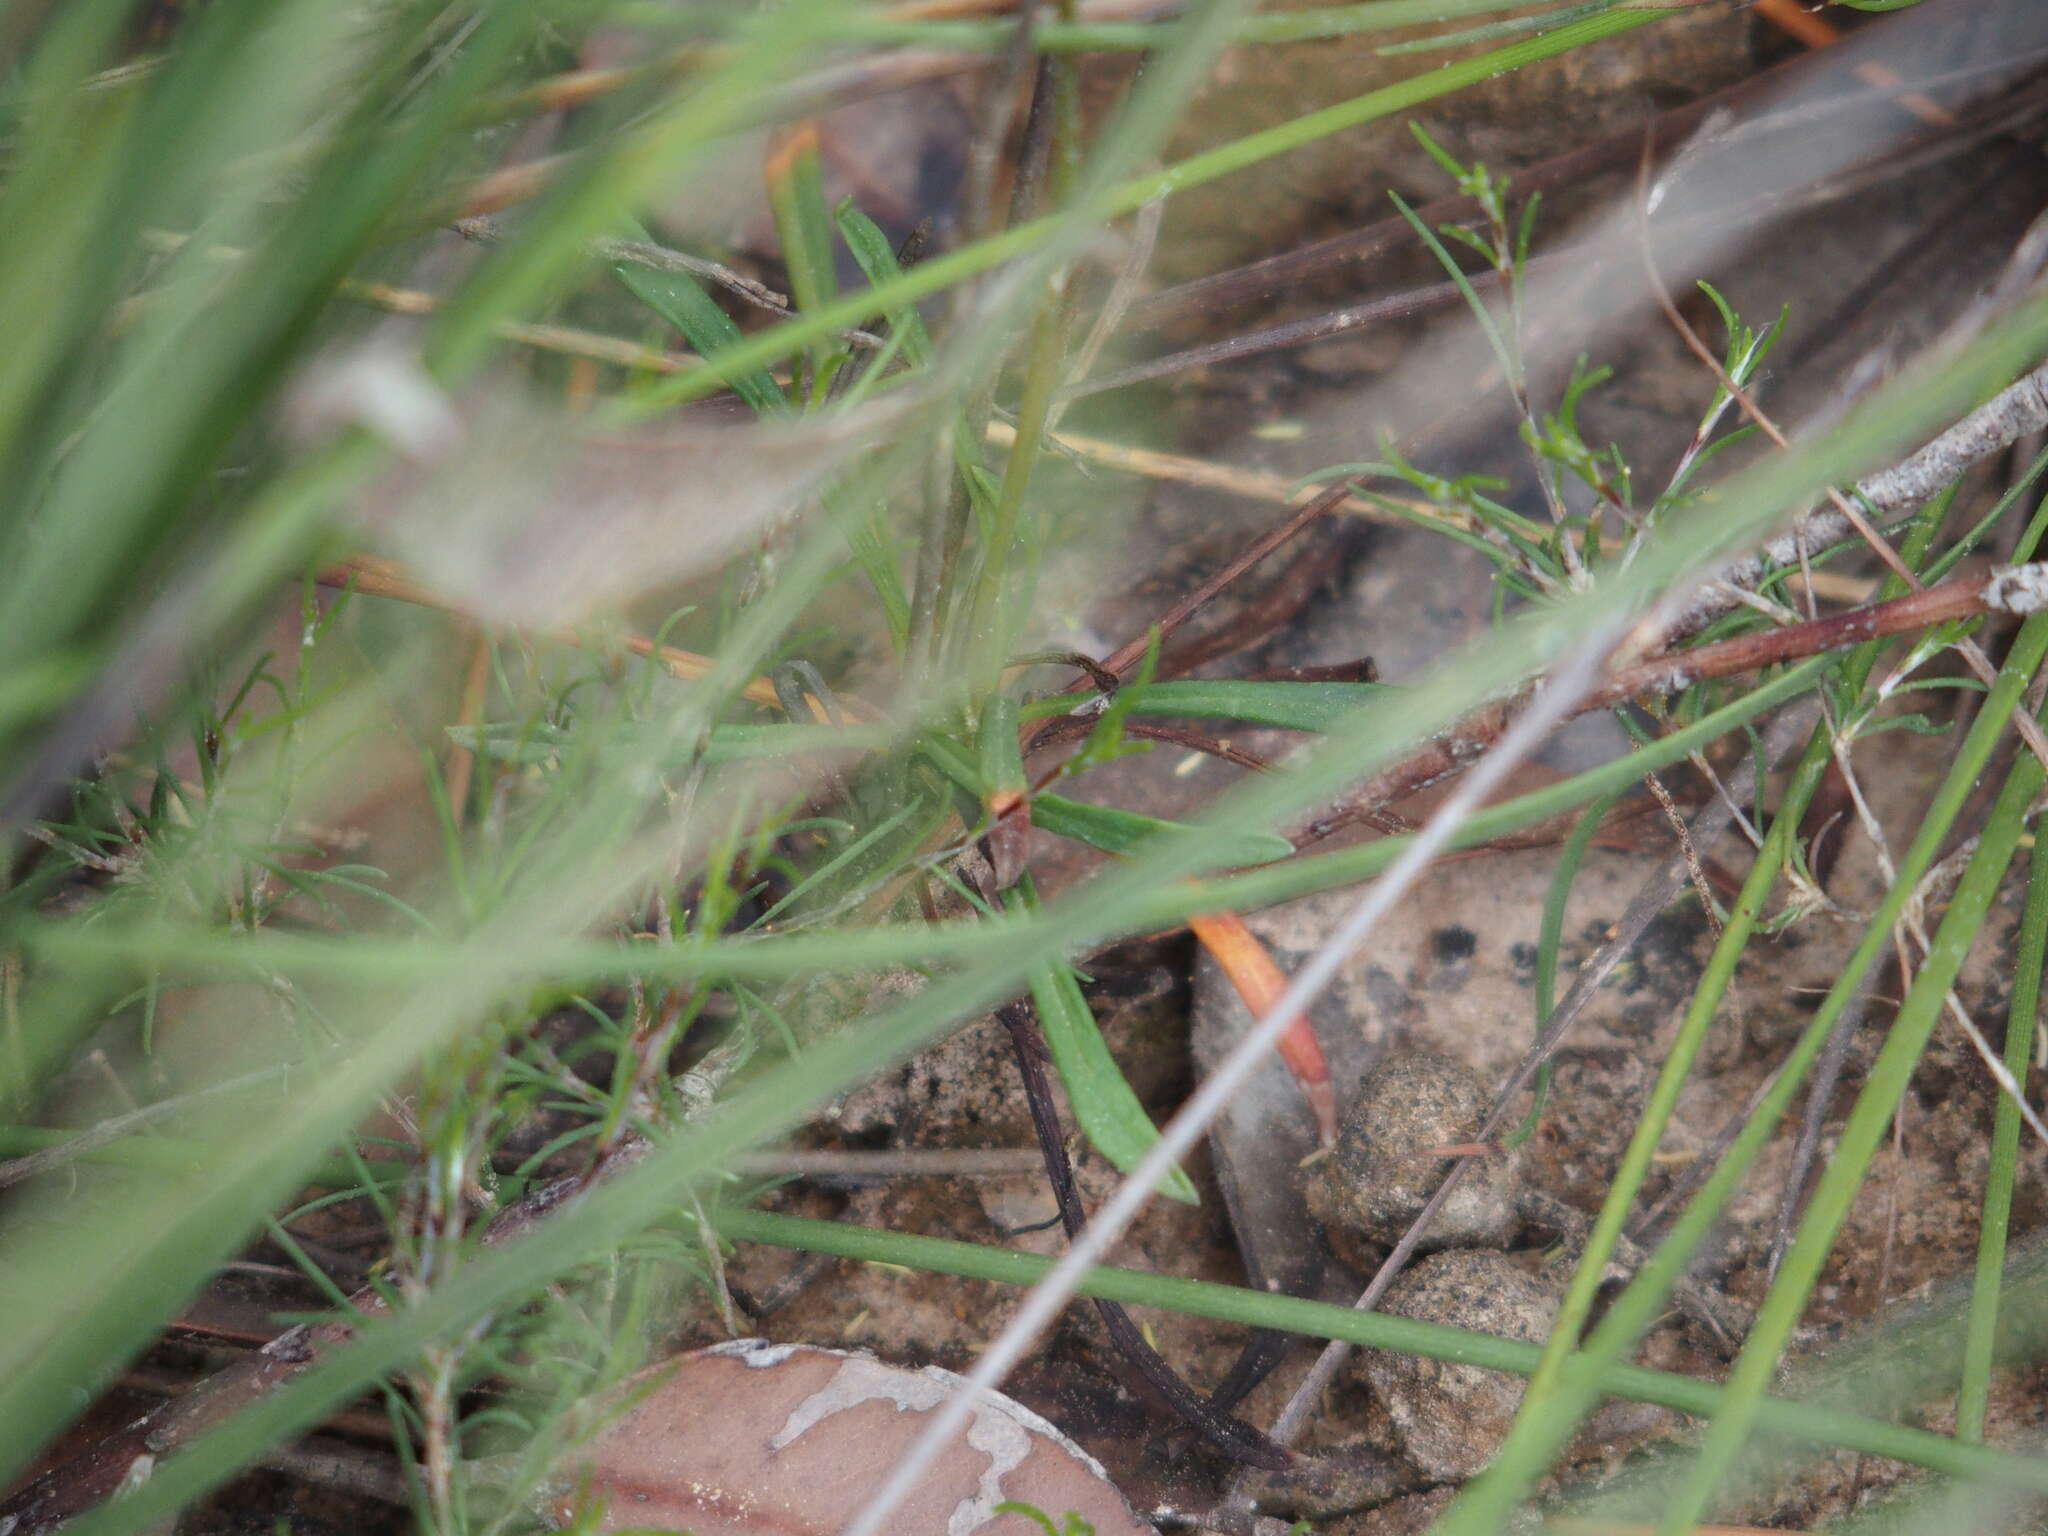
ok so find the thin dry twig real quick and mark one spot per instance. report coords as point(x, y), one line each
point(1693, 867)
point(2015, 411)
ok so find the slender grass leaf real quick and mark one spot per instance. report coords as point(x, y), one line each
point(1120, 831)
point(1104, 1106)
point(680, 300)
point(873, 255)
point(1283, 705)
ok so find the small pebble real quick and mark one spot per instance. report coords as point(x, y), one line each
point(1451, 1418)
point(1383, 1169)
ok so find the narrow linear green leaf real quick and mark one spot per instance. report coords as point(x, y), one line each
point(1973, 1394)
point(1468, 35)
point(796, 193)
point(1002, 764)
point(876, 259)
point(1114, 830)
point(1283, 705)
point(1104, 1106)
point(867, 536)
point(1549, 941)
point(683, 303)
point(1374, 1330)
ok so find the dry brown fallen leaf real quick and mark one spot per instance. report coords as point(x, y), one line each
point(757, 1439)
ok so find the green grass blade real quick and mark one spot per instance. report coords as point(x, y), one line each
point(681, 301)
point(1115, 830)
point(1104, 1106)
point(1974, 1393)
point(1861, 1134)
point(1283, 705)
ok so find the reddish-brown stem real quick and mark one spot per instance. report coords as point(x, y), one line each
point(1983, 591)
point(1281, 599)
point(1960, 598)
point(1127, 656)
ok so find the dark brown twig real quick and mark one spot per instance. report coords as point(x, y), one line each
point(1105, 681)
point(1280, 600)
point(1231, 1435)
